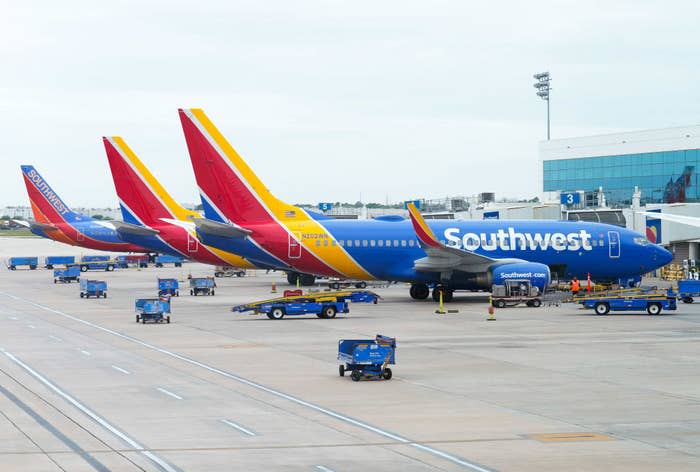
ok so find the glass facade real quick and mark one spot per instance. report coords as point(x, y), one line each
point(663, 177)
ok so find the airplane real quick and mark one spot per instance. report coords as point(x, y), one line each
point(53, 219)
point(152, 218)
point(445, 254)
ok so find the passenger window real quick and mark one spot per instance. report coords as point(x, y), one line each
point(357, 243)
point(594, 243)
point(349, 242)
point(403, 243)
point(411, 242)
point(333, 242)
point(364, 243)
point(325, 242)
point(396, 243)
point(380, 243)
point(341, 242)
point(602, 242)
point(318, 242)
point(388, 243)
point(372, 242)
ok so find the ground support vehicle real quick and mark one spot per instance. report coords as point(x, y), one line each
point(514, 292)
point(67, 275)
point(92, 288)
point(167, 259)
point(367, 358)
point(156, 310)
point(125, 261)
point(97, 263)
point(14, 262)
point(225, 271)
point(168, 287)
point(336, 284)
point(202, 286)
point(323, 305)
point(51, 261)
point(688, 289)
point(651, 300)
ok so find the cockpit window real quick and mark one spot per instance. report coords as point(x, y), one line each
point(642, 241)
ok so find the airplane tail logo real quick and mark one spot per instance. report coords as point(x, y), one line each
point(221, 174)
point(142, 198)
point(47, 206)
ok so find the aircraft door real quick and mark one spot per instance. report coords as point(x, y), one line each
point(192, 243)
point(614, 244)
point(294, 245)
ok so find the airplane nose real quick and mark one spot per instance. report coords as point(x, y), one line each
point(663, 256)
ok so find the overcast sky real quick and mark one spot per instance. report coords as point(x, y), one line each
point(330, 100)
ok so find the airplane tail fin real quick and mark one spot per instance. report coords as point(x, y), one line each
point(229, 188)
point(425, 235)
point(142, 199)
point(47, 206)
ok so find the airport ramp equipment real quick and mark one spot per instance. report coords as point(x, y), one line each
point(67, 275)
point(156, 310)
point(367, 358)
point(650, 299)
point(168, 259)
point(168, 287)
point(14, 262)
point(124, 261)
point(202, 286)
point(688, 290)
point(322, 304)
point(52, 261)
point(97, 263)
point(92, 288)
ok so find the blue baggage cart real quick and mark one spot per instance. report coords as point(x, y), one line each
point(51, 261)
point(168, 259)
point(15, 262)
point(202, 285)
point(688, 289)
point(92, 288)
point(367, 358)
point(96, 263)
point(651, 300)
point(168, 287)
point(156, 310)
point(67, 275)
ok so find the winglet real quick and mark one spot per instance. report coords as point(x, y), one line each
point(423, 231)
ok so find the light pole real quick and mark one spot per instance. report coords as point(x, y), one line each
point(543, 88)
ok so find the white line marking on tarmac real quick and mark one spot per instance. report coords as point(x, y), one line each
point(55, 338)
point(168, 392)
point(31, 326)
point(85, 352)
point(323, 468)
point(13, 318)
point(123, 371)
point(436, 452)
point(238, 427)
point(103, 422)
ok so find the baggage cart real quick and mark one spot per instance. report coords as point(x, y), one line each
point(651, 300)
point(515, 292)
point(367, 358)
point(52, 261)
point(96, 263)
point(168, 287)
point(322, 304)
point(202, 286)
point(688, 289)
point(14, 262)
point(226, 271)
point(168, 259)
point(92, 288)
point(125, 261)
point(67, 275)
point(156, 310)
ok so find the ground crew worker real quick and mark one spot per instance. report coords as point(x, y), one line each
point(575, 286)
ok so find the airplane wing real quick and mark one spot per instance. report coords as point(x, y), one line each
point(684, 220)
point(220, 229)
point(444, 258)
point(40, 226)
point(128, 228)
point(22, 223)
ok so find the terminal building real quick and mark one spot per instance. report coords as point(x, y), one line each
point(610, 177)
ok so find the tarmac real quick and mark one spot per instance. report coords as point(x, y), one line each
point(84, 387)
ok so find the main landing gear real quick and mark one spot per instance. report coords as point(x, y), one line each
point(421, 292)
point(305, 280)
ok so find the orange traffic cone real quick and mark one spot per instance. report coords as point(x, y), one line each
point(274, 288)
point(492, 316)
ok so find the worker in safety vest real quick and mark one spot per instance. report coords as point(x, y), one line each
point(575, 286)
